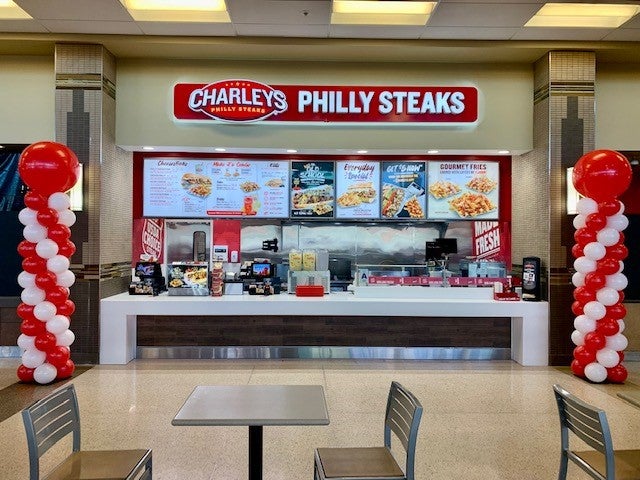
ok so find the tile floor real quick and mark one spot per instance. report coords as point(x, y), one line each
point(482, 420)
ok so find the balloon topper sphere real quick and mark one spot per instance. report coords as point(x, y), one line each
point(602, 174)
point(48, 167)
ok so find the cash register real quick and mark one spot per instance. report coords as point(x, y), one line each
point(150, 279)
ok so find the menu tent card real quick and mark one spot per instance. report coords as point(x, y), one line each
point(357, 189)
point(403, 190)
point(312, 189)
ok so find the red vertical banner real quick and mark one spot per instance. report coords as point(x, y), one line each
point(227, 232)
point(492, 241)
point(148, 240)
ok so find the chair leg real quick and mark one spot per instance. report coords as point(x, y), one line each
point(564, 460)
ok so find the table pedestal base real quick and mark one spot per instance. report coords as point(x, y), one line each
point(255, 452)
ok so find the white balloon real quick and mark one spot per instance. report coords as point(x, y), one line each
point(66, 278)
point(577, 338)
point(44, 311)
point(65, 338)
point(578, 279)
point(594, 251)
point(621, 326)
point(621, 211)
point(26, 279)
point(58, 264)
point(59, 201)
point(617, 281)
point(66, 217)
point(28, 216)
point(26, 342)
point(584, 265)
point(46, 248)
point(617, 222)
point(621, 267)
point(45, 373)
point(617, 342)
point(607, 358)
point(595, 310)
point(584, 324)
point(58, 324)
point(34, 232)
point(33, 358)
point(580, 221)
point(608, 236)
point(595, 372)
point(607, 296)
point(32, 295)
point(586, 205)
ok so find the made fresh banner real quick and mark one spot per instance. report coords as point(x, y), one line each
point(242, 100)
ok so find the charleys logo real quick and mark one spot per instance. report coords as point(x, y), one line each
point(237, 101)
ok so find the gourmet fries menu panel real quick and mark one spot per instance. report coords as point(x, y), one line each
point(344, 189)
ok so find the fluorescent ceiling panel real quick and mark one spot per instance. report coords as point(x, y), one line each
point(383, 12)
point(10, 11)
point(178, 11)
point(582, 15)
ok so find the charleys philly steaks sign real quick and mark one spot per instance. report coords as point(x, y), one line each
point(242, 101)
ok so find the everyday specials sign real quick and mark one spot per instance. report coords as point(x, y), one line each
point(242, 101)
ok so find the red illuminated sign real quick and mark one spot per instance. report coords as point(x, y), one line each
point(241, 101)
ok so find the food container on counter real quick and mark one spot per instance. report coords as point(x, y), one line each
point(295, 260)
point(309, 260)
point(322, 260)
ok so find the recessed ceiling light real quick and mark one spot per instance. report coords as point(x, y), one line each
point(503, 152)
point(220, 149)
point(291, 150)
point(582, 15)
point(1, 146)
point(383, 12)
point(433, 151)
point(362, 151)
point(10, 11)
point(148, 148)
point(182, 11)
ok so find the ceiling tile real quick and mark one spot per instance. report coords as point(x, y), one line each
point(469, 33)
point(188, 29)
point(482, 14)
point(577, 34)
point(103, 10)
point(261, 30)
point(375, 31)
point(280, 12)
point(81, 26)
point(26, 26)
point(624, 35)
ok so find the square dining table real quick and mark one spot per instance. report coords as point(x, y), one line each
point(255, 406)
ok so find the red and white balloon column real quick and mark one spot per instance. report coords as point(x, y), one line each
point(600, 176)
point(49, 169)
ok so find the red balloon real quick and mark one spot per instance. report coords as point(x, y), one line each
point(27, 249)
point(577, 308)
point(32, 328)
point(47, 217)
point(617, 311)
point(25, 374)
point(46, 280)
point(607, 327)
point(58, 356)
point(584, 295)
point(67, 308)
point(609, 207)
point(602, 175)
point(59, 233)
point(584, 235)
point(594, 341)
point(45, 341)
point(25, 311)
point(607, 266)
point(34, 200)
point(621, 356)
point(34, 264)
point(577, 251)
point(617, 374)
point(57, 295)
point(48, 167)
point(66, 370)
point(577, 368)
point(594, 281)
point(617, 252)
point(622, 237)
point(596, 221)
point(583, 355)
point(66, 248)
point(620, 296)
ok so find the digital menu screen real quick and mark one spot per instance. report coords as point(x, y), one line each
point(312, 189)
point(357, 189)
point(403, 190)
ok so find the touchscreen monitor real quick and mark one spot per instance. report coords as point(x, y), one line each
point(261, 270)
point(147, 269)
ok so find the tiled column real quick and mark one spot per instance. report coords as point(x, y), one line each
point(85, 121)
point(564, 130)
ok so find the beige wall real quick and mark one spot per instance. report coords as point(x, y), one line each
point(144, 106)
point(27, 100)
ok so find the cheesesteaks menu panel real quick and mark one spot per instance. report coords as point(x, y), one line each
point(403, 190)
point(215, 188)
point(357, 189)
point(312, 189)
point(463, 190)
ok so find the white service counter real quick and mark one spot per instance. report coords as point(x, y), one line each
point(529, 320)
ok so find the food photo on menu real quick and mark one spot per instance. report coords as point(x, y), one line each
point(403, 190)
point(357, 189)
point(463, 190)
point(312, 189)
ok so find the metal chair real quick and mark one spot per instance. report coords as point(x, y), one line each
point(590, 425)
point(402, 418)
point(51, 419)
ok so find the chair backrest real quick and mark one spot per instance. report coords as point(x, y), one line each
point(590, 425)
point(403, 418)
point(49, 420)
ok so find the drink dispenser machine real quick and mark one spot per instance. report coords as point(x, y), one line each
point(531, 278)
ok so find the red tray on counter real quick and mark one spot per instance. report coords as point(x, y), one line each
point(309, 291)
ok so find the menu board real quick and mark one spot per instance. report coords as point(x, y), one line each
point(357, 189)
point(403, 190)
point(463, 190)
point(216, 188)
point(312, 189)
